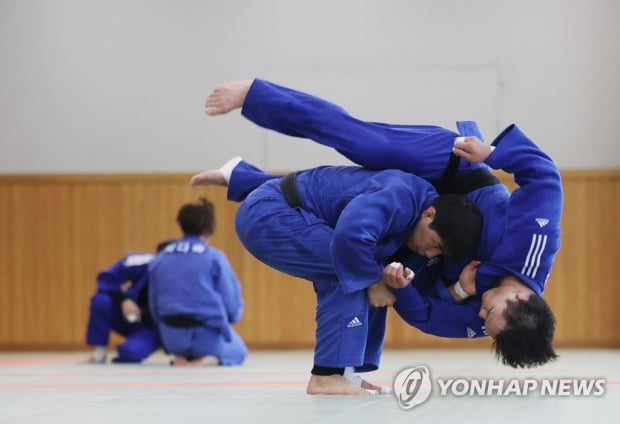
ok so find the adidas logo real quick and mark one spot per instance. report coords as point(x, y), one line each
point(355, 322)
point(470, 333)
point(542, 221)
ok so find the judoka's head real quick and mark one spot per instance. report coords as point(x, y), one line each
point(520, 322)
point(197, 219)
point(451, 226)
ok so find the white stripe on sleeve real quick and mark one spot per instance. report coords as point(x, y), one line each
point(532, 260)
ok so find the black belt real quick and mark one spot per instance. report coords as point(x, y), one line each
point(448, 174)
point(290, 192)
point(181, 321)
point(468, 182)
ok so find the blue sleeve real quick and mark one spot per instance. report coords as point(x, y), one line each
point(225, 282)
point(531, 237)
point(439, 317)
point(367, 221)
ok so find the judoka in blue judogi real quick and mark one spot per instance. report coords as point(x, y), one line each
point(121, 305)
point(520, 237)
point(195, 296)
point(337, 227)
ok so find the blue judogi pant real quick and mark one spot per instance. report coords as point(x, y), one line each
point(296, 242)
point(141, 338)
point(196, 342)
point(423, 150)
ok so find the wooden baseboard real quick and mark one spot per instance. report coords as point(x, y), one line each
point(58, 231)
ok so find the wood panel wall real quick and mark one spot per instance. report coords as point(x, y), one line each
point(58, 231)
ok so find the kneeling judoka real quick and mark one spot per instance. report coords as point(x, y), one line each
point(194, 294)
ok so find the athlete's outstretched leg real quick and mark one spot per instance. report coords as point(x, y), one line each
point(420, 149)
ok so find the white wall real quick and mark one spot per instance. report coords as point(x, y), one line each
point(119, 85)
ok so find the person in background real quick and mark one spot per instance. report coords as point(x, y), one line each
point(195, 295)
point(121, 305)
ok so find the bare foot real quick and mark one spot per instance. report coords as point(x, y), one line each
point(216, 176)
point(333, 385)
point(200, 362)
point(226, 97)
point(205, 361)
point(179, 362)
point(210, 177)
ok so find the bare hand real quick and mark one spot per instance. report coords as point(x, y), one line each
point(131, 311)
point(468, 277)
point(379, 295)
point(471, 148)
point(397, 276)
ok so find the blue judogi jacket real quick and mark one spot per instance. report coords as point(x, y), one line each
point(372, 213)
point(528, 244)
point(531, 235)
point(191, 278)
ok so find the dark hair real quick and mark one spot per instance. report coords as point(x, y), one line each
point(197, 219)
point(458, 222)
point(526, 341)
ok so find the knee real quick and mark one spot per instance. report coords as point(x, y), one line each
point(136, 350)
point(128, 355)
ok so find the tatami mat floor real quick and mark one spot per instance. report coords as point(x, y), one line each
point(582, 386)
